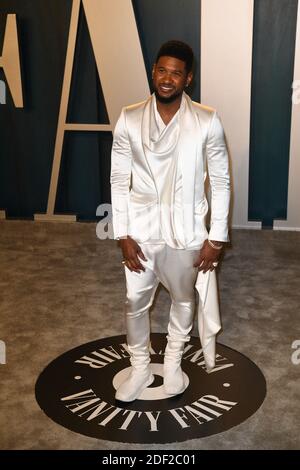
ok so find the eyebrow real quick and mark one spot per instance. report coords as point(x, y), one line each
point(174, 70)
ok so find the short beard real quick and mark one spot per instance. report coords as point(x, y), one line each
point(168, 100)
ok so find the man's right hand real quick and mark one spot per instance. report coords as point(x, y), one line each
point(131, 254)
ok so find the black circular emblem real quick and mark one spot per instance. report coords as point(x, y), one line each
point(77, 390)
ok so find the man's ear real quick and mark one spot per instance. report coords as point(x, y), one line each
point(189, 79)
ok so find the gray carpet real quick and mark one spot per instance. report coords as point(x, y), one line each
point(61, 287)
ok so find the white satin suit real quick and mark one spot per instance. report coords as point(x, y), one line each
point(158, 198)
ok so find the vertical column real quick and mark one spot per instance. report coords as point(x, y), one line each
point(293, 209)
point(226, 57)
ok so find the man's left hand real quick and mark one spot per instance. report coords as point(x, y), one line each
point(208, 257)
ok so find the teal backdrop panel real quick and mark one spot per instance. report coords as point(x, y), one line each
point(274, 36)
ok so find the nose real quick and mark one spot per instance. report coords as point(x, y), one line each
point(168, 78)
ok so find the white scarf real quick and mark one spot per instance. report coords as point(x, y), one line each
point(183, 137)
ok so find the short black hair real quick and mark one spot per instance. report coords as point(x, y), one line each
point(178, 49)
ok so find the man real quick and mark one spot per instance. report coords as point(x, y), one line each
point(160, 151)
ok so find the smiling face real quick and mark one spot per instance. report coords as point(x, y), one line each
point(170, 78)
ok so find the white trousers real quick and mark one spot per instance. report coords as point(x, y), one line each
point(174, 269)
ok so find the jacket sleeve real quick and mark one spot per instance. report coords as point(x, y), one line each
point(121, 158)
point(219, 177)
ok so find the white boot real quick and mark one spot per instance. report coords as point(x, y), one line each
point(174, 382)
point(140, 376)
point(179, 327)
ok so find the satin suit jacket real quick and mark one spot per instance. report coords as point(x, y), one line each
point(134, 197)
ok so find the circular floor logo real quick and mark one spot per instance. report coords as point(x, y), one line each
point(77, 390)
